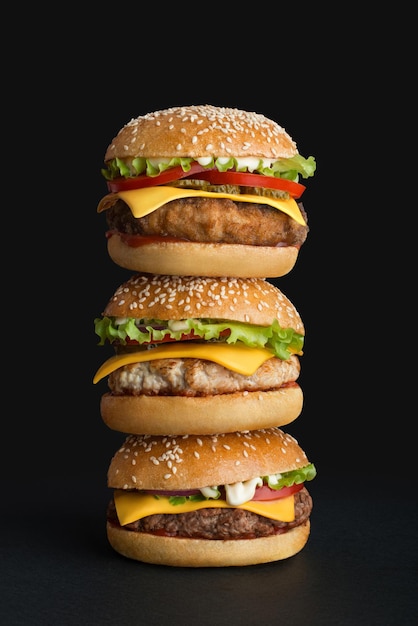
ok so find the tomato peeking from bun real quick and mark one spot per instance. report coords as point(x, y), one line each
point(205, 191)
point(210, 500)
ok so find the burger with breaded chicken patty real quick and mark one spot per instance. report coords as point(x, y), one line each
point(206, 191)
point(210, 500)
point(199, 355)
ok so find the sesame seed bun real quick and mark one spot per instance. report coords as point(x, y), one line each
point(170, 463)
point(201, 130)
point(196, 461)
point(236, 246)
point(247, 405)
point(166, 297)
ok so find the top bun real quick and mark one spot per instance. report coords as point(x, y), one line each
point(199, 131)
point(166, 297)
point(193, 462)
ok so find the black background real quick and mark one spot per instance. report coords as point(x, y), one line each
point(330, 92)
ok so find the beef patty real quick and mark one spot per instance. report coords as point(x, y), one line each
point(217, 523)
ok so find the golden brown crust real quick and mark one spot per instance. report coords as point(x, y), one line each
point(203, 259)
point(195, 461)
point(207, 415)
point(165, 297)
point(179, 552)
point(201, 130)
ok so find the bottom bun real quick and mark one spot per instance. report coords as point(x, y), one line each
point(182, 415)
point(203, 259)
point(180, 552)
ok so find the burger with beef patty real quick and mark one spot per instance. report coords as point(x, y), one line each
point(200, 355)
point(210, 500)
point(205, 191)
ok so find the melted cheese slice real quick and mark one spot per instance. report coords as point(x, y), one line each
point(131, 506)
point(238, 358)
point(145, 201)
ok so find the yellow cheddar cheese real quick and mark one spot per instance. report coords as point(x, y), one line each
point(131, 506)
point(145, 201)
point(238, 358)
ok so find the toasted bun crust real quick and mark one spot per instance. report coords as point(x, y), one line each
point(204, 552)
point(209, 259)
point(201, 130)
point(164, 297)
point(182, 415)
point(195, 461)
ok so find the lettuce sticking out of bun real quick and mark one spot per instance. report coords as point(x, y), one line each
point(218, 500)
point(200, 355)
point(281, 341)
point(217, 185)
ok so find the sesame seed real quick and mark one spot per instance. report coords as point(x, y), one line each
point(246, 130)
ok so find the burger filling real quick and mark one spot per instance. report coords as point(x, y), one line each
point(197, 377)
point(220, 524)
point(211, 220)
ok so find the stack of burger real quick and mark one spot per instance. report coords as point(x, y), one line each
point(203, 209)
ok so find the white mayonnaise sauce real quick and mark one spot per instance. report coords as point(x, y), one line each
point(238, 493)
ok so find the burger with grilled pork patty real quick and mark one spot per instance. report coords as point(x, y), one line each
point(200, 355)
point(205, 191)
point(211, 500)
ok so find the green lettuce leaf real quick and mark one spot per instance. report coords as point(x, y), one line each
point(290, 168)
point(295, 477)
point(282, 342)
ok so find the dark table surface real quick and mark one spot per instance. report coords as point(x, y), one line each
point(358, 567)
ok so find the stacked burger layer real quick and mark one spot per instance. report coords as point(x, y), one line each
point(202, 210)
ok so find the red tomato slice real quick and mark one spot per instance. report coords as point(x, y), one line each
point(247, 179)
point(261, 493)
point(213, 176)
point(141, 181)
point(266, 493)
